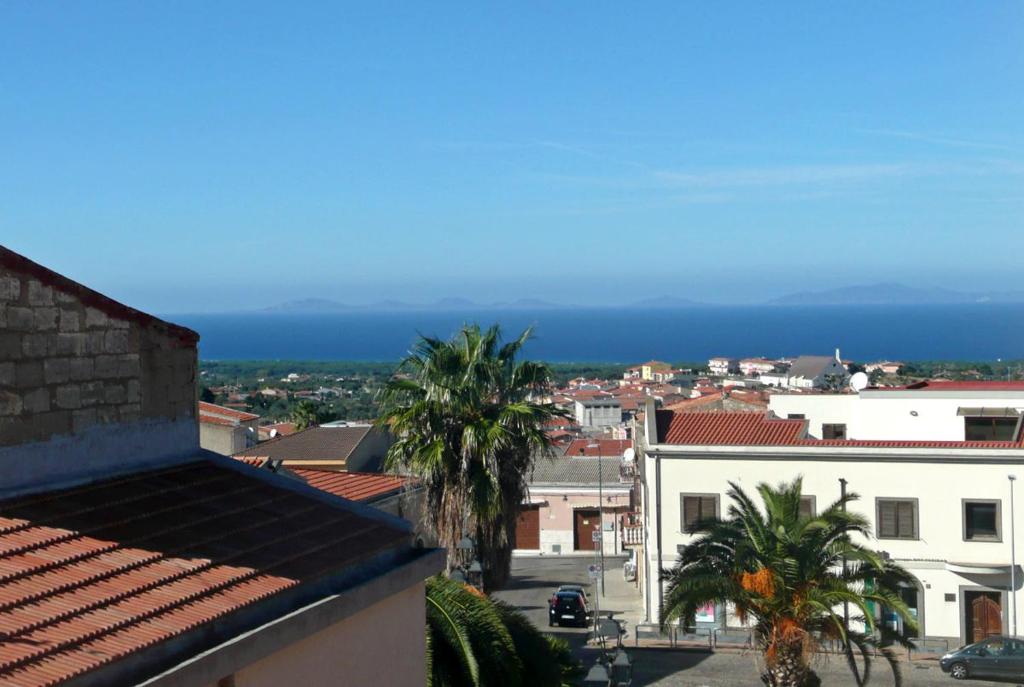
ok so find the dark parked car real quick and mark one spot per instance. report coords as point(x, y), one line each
point(995, 657)
point(574, 588)
point(567, 608)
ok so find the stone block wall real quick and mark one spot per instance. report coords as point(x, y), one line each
point(71, 359)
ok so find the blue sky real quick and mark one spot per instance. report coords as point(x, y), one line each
point(205, 156)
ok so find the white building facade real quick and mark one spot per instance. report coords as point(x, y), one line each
point(598, 412)
point(723, 366)
point(927, 411)
point(941, 509)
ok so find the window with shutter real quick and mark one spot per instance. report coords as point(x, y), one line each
point(982, 520)
point(807, 507)
point(833, 431)
point(697, 507)
point(896, 518)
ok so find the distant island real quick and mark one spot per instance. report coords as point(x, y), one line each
point(895, 294)
point(324, 305)
point(887, 293)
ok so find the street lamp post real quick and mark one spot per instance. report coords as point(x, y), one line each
point(600, 508)
point(1013, 557)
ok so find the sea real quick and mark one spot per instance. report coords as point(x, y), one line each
point(870, 332)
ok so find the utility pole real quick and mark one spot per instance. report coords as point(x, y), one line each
point(600, 517)
point(846, 604)
point(1013, 557)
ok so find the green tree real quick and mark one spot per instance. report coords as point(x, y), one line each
point(305, 414)
point(206, 396)
point(785, 574)
point(475, 641)
point(467, 423)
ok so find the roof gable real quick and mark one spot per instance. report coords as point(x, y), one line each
point(19, 263)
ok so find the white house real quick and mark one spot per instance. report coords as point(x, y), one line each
point(940, 506)
point(604, 411)
point(815, 371)
point(751, 367)
point(888, 367)
point(723, 366)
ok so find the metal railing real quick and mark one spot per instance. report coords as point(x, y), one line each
point(654, 632)
point(732, 636)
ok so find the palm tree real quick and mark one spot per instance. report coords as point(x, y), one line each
point(789, 576)
point(305, 414)
point(467, 424)
point(475, 641)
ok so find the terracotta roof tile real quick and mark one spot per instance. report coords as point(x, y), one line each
point(746, 429)
point(91, 574)
point(758, 429)
point(207, 410)
point(356, 486)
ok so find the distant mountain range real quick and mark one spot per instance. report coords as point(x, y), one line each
point(895, 294)
point(868, 294)
point(324, 305)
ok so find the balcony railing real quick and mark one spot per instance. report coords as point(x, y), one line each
point(631, 526)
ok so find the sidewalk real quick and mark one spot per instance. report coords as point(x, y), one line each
point(621, 600)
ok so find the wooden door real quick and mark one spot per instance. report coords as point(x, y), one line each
point(584, 525)
point(986, 615)
point(528, 529)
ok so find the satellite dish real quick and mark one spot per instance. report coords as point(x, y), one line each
point(273, 433)
point(859, 381)
point(629, 455)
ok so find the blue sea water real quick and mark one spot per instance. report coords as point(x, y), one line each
point(951, 332)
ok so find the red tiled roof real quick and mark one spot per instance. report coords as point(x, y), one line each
point(95, 573)
point(598, 447)
point(211, 409)
point(758, 429)
point(283, 428)
point(721, 429)
point(356, 486)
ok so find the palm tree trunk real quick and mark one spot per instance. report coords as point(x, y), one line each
point(788, 666)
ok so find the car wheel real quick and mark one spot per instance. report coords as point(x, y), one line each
point(958, 671)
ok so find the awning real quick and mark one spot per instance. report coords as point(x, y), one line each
point(979, 568)
point(988, 412)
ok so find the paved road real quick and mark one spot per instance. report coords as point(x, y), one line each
point(533, 580)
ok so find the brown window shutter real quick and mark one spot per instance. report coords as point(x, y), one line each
point(905, 518)
point(805, 507)
point(887, 519)
point(691, 511)
point(707, 507)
